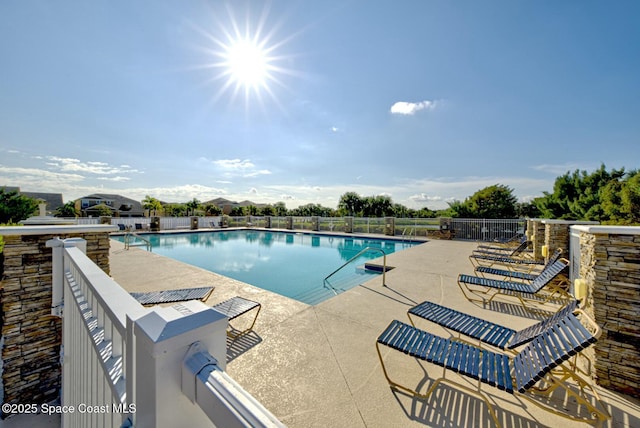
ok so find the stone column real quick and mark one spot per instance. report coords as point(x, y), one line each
point(390, 226)
point(348, 224)
point(537, 233)
point(557, 233)
point(32, 336)
point(610, 265)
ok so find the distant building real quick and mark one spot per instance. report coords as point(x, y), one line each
point(227, 206)
point(120, 206)
point(53, 200)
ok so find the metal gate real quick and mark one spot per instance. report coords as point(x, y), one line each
point(482, 229)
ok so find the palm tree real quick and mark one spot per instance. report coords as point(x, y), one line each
point(67, 210)
point(351, 203)
point(192, 205)
point(149, 203)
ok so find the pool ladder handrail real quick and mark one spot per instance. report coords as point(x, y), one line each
point(361, 252)
point(411, 232)
point(128, 244)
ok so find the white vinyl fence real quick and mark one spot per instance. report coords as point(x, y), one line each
point(463, 229)
point(125, 365)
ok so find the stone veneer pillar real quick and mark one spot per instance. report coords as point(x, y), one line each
point(31, 352)
point(610, 265)
point(537, 237)
point(556, 234)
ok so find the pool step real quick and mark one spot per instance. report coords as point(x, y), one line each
point(340, 285)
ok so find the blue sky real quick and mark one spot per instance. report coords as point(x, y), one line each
point(425, 101)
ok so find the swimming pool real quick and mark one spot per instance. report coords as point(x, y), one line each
point(290, 264)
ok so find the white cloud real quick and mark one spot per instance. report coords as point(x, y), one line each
point(35, 175)
point(407, 108)
point(256, 173)
point(237, 167)
point(233, 164)
point(253, 191)
point(117, 179)
point(561, 169)
point(91, 167)
point(423, 197)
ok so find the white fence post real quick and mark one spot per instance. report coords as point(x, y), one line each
point(57, 269)
point(162, 339)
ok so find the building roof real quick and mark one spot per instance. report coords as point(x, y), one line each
point(53, 200)
point(119, 202)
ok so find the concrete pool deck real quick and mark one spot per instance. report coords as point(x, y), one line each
point(317, 366)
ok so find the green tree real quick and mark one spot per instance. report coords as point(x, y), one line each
point(377, 206)
point(311, 210)
point(67, 210)
point(268, 210)
point(426, 213)
point(151, 204)
point(400, 211)
point(621, 200)
point(211, 209)
point(495, 201)
point(280, 208)
point(251, 210)
point(237, 211)
point(175, 210)
point(578, 195)
point(15, 207)
point(527, 209)
point(350, 204)
point(457, 209)
point(192, 206)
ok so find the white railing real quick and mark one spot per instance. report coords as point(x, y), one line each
point(463, 228)
point(94, 344)
point(483, 229)
point(126, 365)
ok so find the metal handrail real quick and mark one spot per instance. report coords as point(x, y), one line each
point(411, 231)
point(361, 252)
point(127, 241)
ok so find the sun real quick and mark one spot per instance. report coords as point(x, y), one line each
point(248, 64)
point(247, 57)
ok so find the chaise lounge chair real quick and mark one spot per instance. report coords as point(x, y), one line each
point(503, 252)
point(540, 363)
point(504, 245)
point(515, 274)
point(487, 288)
point(482, 330)
point(511, 263)
point(234, 308)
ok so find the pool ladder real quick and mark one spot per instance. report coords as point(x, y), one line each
point(412, 230)
point(129, 236)
point(361, 252)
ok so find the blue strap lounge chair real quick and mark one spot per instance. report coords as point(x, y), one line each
point(504, 245)
point(511, 263)
point(504, 252)
point(482, 330)
point(515, 240)
point(538, 369)
point(486, 288)
point(515, 274)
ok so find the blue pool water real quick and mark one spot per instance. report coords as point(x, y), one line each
point(290, 264)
